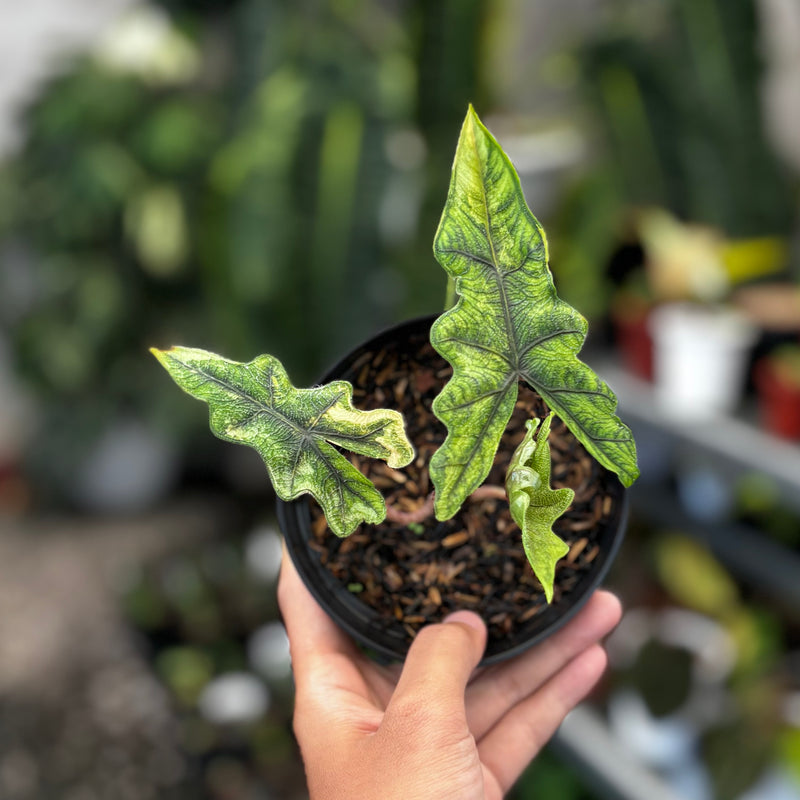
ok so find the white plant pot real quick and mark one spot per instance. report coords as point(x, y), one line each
point(700, 357)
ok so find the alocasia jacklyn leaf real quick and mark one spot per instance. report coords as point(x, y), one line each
point(293, 430)
point(534, 505)
point(508, 324)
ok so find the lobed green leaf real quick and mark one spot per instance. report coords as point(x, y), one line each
point(508, 325)
point(294, 429)
point(534, 505)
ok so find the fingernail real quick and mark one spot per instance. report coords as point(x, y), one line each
point(466, 618)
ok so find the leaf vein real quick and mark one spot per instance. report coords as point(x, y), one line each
point(546, 337)
point(233, 389)
point(484, 427)
point(471, 256)
point(477, 346)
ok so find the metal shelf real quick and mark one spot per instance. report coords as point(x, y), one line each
point(732, 447)
point(749, 554)
point(585, 742)
point(736, 446)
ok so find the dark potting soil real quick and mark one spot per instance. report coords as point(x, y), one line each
point(412, 576)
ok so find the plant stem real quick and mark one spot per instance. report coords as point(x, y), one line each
point(394, 514)
point(488, 492)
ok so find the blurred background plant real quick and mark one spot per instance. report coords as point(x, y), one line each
point(675, 92)
point(243, 177)
point(267, 176)
point(246, 177)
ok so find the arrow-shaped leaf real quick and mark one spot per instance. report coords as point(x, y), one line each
point(292, 429)
point(534, 505)
point(508, 325)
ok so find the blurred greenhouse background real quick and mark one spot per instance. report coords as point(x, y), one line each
point(258, 176)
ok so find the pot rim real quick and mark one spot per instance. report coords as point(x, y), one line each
point(357, 619)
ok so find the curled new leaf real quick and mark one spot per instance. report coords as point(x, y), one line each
point(534, 505)
point(293, 429)
point(508, 325)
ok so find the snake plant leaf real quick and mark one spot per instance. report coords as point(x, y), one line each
point(508, 324)
point(294, 429)
point(534, 505)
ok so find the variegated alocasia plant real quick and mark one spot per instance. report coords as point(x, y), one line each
point(508, 325)
point(534, 505)
point(293, 430)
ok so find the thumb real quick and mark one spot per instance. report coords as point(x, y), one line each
point(439, 664)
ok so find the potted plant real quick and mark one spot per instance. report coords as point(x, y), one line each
point(629, 314)
point(777, 382)
point(700, 342)
point(501, 466)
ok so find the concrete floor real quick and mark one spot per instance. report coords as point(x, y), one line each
point(83, 716)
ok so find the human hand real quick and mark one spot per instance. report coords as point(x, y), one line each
point(425, 730)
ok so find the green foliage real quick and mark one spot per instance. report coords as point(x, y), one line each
point(662, 676)
point(205, 208)
point(587, 233)
point(508, 325)
point(534, 505)
point(737, 753)
point(549, 777)
point(679, 95)
point(676, 88)
point(293, 430)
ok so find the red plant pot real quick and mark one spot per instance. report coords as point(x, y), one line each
point(632, 337)
point(779, 402)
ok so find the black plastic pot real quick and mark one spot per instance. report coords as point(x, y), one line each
point(390, 640)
